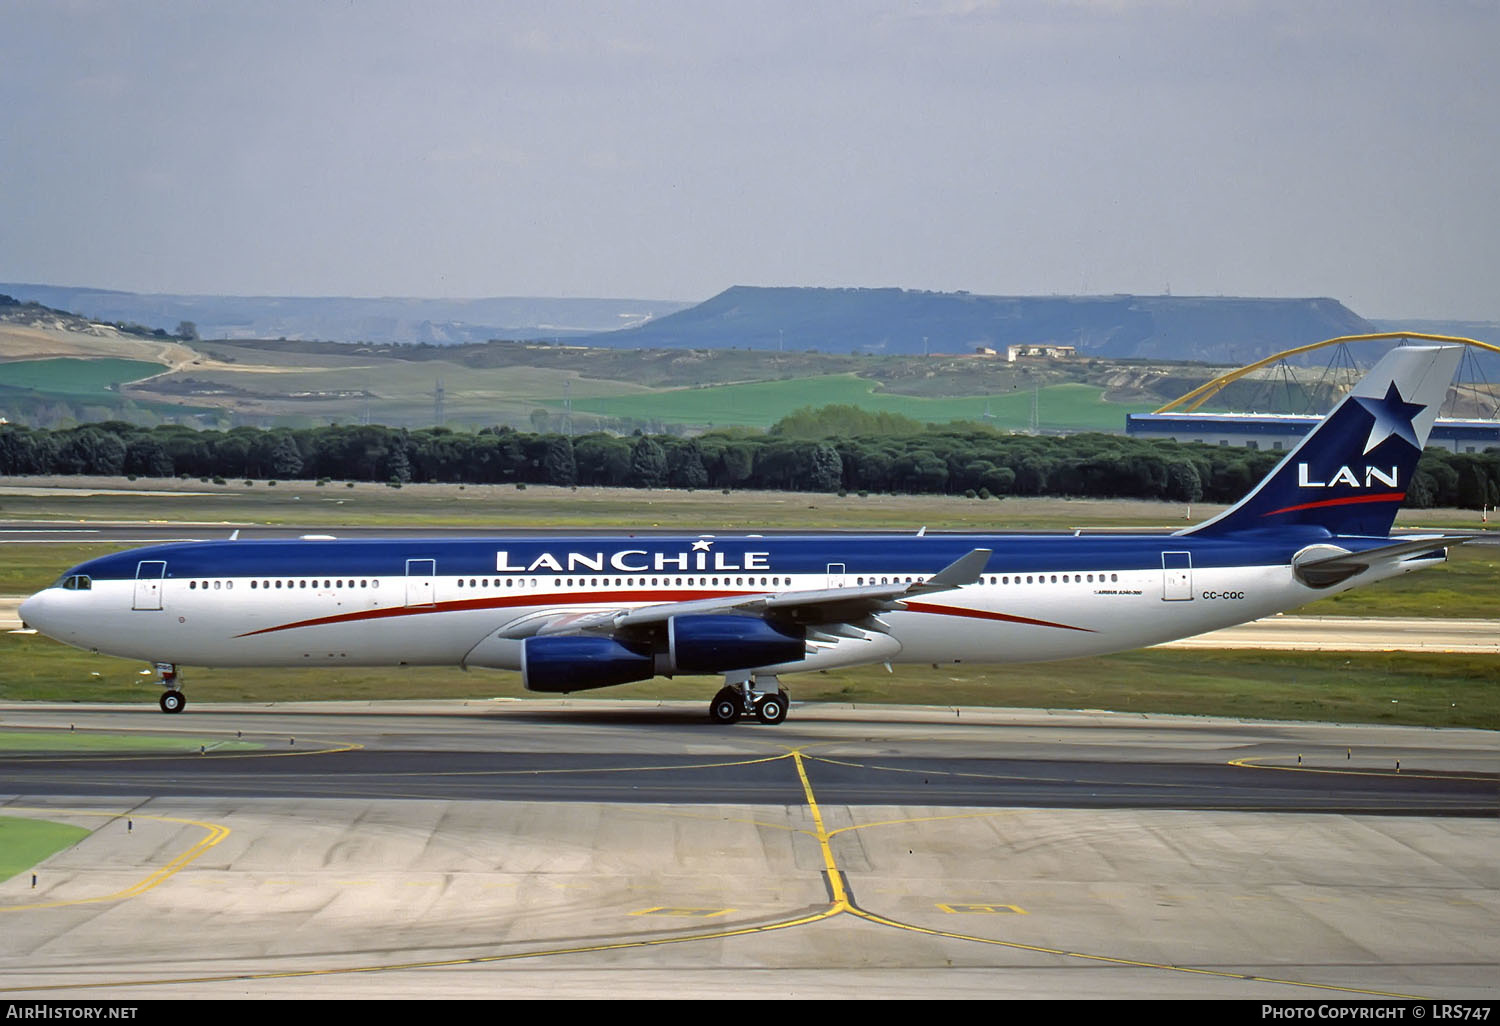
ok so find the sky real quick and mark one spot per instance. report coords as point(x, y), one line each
point(669, 150)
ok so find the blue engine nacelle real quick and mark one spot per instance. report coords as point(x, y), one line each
point(713, 644)
point(577, 663)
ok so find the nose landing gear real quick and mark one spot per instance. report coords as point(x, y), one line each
point(172, 699)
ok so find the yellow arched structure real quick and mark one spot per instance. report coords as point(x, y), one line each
point(1200, 395)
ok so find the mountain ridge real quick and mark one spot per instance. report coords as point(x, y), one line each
point(891, 321)
point(899, 321)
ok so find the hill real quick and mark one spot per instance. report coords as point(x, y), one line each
point(391, 319)
point(1211, 329)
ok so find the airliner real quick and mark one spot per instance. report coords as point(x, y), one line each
point(573, 613)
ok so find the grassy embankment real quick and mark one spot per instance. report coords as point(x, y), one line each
point(1420, 689)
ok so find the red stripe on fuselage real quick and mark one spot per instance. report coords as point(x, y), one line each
point(1351, 500)
point(613, 597)
point(983, 614)
point(499, 602)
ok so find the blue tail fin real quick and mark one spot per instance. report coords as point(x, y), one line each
point(1351, 472)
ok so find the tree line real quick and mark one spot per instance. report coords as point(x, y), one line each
point(908, 458)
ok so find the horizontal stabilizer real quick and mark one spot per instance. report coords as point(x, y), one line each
point(1324, 571)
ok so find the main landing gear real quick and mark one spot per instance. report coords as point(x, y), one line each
point(172, 699)
point(751, 697)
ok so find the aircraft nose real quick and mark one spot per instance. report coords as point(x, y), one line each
point(33, 612)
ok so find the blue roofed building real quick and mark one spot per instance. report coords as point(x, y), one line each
point(1280, 431)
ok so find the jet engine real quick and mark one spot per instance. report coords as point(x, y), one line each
point(713, 644)
point(580, 662)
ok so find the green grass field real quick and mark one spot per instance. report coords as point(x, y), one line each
point(26, 842)
point(1417, 689)
point(760, 404)
point(496, 506)
point(90, 743)
point(80, 378)
point(1467, 586)
point(284, 385)
point(323, 387)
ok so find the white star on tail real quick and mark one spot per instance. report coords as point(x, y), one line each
point(1393, 416)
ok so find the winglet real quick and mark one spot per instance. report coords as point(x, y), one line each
point(963, 570)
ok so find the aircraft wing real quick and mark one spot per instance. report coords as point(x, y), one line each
point(809, 606)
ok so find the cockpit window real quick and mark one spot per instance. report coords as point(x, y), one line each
point(77, 582)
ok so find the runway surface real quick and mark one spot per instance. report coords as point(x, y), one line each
point(588, 848)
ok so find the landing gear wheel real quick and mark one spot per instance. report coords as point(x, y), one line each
point(771, 709)
point(173, 701)
point(726, 706)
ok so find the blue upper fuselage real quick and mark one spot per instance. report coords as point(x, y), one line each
point(777, 554)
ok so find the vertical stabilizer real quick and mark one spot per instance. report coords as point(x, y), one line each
point(1351, 473)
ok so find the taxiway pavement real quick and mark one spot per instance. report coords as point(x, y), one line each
point(609, 849)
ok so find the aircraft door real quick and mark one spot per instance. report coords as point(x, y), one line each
point(148, 580)
point(836, 573)
point(1177, 576)
point(420, 575)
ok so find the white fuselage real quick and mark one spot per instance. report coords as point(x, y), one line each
point(480, 619)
